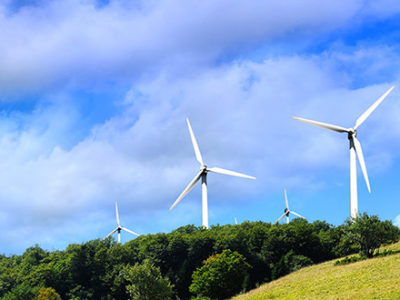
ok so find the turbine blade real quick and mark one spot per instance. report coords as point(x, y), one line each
point(365, 115)
point(323, 125)
point(287, 203)
point(280, 218)
point(111, 233)
point(130, 231)
point(116, 213)
point(227, 172)
point(292, 212)
point(187, 189)
point(360, 156)
point(195, 145)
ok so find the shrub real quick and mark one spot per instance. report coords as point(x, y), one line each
point(145, 282)
point(222, 276)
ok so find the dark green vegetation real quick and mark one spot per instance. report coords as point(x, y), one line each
point(257, 252)
point(222, 276)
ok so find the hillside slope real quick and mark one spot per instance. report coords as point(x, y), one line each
point(377, 278)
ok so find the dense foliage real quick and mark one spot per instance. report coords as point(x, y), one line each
point(369, 233)
point(94, 270)
point(146, 282)
point(222, 276)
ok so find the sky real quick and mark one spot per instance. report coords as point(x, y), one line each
point(94, 97)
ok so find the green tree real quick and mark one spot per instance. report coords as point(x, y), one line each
point(222, 275)
point(369, 233)
point(47, 294)
point(145, 282)
point(290, 262)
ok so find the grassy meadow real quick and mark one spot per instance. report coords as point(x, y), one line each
point(376, 278)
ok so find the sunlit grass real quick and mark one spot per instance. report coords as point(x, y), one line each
point(377, 278)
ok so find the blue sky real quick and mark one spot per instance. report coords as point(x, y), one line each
point(94, 96)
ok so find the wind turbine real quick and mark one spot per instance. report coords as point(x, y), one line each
point(355, 148)
point(287, 212)
point(119, 227)
point(203, 175)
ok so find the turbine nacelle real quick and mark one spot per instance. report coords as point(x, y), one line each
point(202, 174)
point(287, 211)
point(355, 150)
point(351, 133)
point(119, 227)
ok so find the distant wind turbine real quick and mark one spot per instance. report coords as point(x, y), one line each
point(235, 221)
point(203, 175)
point(119, 227)
point(355, 148)
point(287, 212)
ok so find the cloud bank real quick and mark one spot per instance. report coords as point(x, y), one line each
point(238, 71)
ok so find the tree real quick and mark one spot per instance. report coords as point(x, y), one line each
point(145, 282)
point(369, 233)
point(47, 294)
point(290, 262)
point(222, 275)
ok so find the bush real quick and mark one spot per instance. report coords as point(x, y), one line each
point(146, 283)
point(222, 276)
point(369, 233)
point(47, 294)
point(290, 262)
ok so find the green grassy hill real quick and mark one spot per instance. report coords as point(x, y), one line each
point(377, 278)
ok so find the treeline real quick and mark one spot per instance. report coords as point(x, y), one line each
point(98, 269)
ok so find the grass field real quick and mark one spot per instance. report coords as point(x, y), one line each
point(377, 278)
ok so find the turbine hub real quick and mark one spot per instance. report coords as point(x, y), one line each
point(352, 133)
point(204, 168)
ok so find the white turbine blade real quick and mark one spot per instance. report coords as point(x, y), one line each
point(116, 213)
point(360, 156)
point(195, 145)
point(323, 125)
point(130, 231)
point(280, 218)
point(365, 115)
point(187, 189)
point(287, 203)
point(111, 233)
point(292, 212)
point(227, 172)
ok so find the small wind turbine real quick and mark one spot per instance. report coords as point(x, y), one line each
point(119, 227)
point(355, 148)
point(287, 212)
point(203, 175)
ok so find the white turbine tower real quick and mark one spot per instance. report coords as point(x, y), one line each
point(355, 149)
point(203, 175)
point(287, 212)
point(119, 227)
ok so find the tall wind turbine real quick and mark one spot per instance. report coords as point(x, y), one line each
point(355, 149)
point(119, 227)
point(287, 212)
point(203, 175)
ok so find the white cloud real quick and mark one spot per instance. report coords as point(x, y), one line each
point(397, 221)
point(240, 111)
point(79, 43)
point(143, 158)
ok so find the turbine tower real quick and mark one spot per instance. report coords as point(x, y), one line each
point(119, 227)
point(287, 212)
point(203, 175)
point(355, 150)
